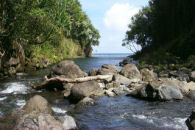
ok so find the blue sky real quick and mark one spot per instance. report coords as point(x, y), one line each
point(111, 18)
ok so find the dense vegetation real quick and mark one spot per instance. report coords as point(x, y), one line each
point(165, 30)
point(52, 29)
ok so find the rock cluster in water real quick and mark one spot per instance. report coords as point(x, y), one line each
point(144, 84)
point(37, 114)
point(139, 83)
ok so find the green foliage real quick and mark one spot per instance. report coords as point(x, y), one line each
point(42, 23)
point(164, 26)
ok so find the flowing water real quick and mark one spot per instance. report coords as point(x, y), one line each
point(109, 112)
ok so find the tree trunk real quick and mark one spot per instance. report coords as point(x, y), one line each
point(57, 80)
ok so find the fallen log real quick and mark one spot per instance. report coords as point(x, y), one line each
point(58, 80)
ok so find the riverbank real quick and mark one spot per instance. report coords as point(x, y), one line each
point(36, 57)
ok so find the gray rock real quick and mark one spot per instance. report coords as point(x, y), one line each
point(192, 75)
point(189, 87)
point(191, 95)
point(174, 82)
point(121, 80)
point(130, 71)
point(112, 85)
point(190, 122)
point(179, 75)
point(93, 72)
point(110, 67)
point(69, 123)
point(37, 115)
point(185, 70)
point(121, 90)
point(68, 69)
point(169, 93)
point(157, 91)
point(68, 86)
point(86, 89)
point(38, 104)
point(85, 102)
point(109, 93)
point(148, 75)
point(66, 93)
point(102, 85)
point(104, 71)
point(163, 74)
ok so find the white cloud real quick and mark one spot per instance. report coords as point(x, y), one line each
point(119, 15)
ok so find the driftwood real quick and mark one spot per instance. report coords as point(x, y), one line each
point(62, 80)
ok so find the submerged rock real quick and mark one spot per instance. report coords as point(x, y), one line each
point(130, 71)
point(68, 69)
point(85, 102)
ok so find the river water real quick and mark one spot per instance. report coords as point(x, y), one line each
point(120, 112)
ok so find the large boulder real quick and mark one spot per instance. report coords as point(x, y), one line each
point(130, 71)
point(190, 122)
point(68, 69)
point(157, 91)
point(148, 75)
point(121, 79)
point(86, 89)
point(104, 71)
point(174, 82)
point(37, 115)
point(192, 75)
point(110, 67)
point(38, 104)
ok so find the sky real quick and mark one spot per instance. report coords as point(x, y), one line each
point(111, 18)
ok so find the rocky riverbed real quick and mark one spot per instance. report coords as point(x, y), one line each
point(94, 99)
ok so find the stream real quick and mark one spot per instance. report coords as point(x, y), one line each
point(119, 112)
